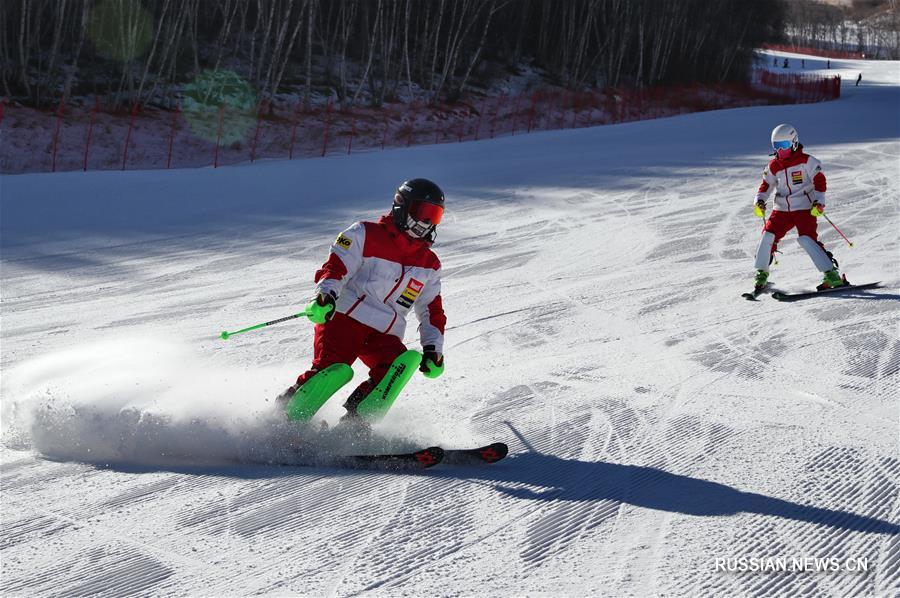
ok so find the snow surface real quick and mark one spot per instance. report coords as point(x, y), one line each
point(656, 420)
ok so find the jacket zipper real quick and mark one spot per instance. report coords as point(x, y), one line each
point(399, 280)
point(787, 182)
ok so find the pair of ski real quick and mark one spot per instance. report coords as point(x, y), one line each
point(310, 397)
point(429, 457)
point(421, 459)
point(782, 296)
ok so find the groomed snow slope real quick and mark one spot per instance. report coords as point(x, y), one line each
point(592, 283)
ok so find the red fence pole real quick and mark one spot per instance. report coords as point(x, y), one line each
point(59, 113)
point(219, 136)
point(259, 113)
point(484, 104)
point(352, 132)
point(531, 112)
point(327, 125)
point(172, 134)
point(294, 131)
point(412, 121)
point(500, 99)
point(562, 110)
point(134, 110)
point(90, 133)
point(515, 113)
point(574, 109)
point(437, 125)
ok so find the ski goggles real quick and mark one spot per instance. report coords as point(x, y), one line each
point(426, 212)
point(780, 145)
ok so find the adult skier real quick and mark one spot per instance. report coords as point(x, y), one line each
point(375, 274)
point(799, 185)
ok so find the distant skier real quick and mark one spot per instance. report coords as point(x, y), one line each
point(799, 185)
point(858, 79)
point(375, 274)
point(785, 63)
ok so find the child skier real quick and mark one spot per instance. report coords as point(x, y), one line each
point(375, 274)
point(799, 185)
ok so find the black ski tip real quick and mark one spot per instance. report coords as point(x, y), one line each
point(429, 457)
point(490, 453)
point(752, 295)
point(493, 452)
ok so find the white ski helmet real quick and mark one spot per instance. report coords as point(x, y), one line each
point(785, 141)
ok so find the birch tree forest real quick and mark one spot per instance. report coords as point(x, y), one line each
point(369, 51)
point(871, 27)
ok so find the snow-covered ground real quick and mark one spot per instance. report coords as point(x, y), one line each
point(657, 421)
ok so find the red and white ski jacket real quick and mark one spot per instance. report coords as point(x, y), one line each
point(379, 273)
point(798, 182)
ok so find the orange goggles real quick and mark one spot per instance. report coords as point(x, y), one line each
point(426, 212)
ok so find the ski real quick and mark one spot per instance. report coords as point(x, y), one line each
point(429, 457)
point(423, 459)
point(490, 453)
point(751, 296)
point(782, 296)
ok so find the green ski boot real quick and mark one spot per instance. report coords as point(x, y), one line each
point(762, 277)
point(379, 401)
point(833, 279)
point(310, 397)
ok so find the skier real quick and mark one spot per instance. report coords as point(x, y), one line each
point(375, 274)
point(799, 185)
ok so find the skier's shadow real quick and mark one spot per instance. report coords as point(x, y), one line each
point(536, 476)
point(865, 295)
point(875, 296)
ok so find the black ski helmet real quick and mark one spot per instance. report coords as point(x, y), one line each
point(410, 197)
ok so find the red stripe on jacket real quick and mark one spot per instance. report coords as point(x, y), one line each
point(436, 314)
point(333, 269)
point(819, 182)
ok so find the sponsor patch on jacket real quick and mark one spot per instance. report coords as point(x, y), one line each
point(410, 293)
point(343, 241)
point(797, 177)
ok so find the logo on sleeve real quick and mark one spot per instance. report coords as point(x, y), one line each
point(410, 293)
point(797, 177)
point(343, 241)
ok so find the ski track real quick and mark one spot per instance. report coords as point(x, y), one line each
point(656, 420)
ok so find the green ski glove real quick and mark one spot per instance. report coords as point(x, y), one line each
point(432, 362)
point(320, 309)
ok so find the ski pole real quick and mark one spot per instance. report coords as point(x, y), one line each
point(226, 334)
point(849, 242)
